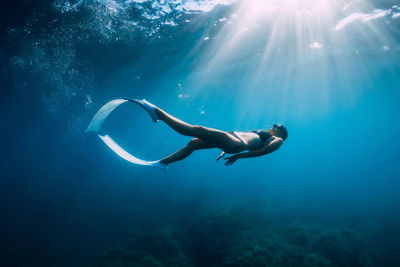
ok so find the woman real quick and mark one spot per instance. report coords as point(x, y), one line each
point(257, 142)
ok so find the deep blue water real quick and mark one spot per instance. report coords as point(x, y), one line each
point(330, 196)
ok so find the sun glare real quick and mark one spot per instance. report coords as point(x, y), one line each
point(282, 45)
point(262, 7)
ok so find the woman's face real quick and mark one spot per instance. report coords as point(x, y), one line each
point(275, 131)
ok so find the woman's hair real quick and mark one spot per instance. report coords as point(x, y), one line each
point(282, 130)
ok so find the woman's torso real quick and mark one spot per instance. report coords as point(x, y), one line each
point(254, 139)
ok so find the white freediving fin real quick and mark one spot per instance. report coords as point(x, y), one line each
point(97, 122)
point(101, 115)
point(132, 159)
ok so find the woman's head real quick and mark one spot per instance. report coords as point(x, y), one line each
point(280, 131)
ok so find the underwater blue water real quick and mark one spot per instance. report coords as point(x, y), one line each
point(330, 72)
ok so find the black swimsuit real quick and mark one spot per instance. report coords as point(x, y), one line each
point(264, 135)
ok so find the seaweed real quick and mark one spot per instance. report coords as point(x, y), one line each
point(247, 235)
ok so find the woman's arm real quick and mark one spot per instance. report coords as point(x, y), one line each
point(221, 155)
point(270, 147)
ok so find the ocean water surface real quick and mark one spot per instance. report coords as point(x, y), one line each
point(329, 71)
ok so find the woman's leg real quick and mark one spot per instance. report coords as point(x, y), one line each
point(213, 137)
point(194, 144)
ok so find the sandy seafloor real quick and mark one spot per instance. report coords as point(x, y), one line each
point(330, 72)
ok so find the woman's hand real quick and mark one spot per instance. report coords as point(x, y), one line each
point(232, 159)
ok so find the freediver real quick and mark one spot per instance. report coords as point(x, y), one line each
point(256, 142)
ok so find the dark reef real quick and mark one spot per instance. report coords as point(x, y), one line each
point(253, 236)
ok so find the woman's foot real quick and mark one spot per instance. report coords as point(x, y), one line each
point(150, 108)
point(159, 165)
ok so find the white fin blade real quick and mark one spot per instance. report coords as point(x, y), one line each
point(101, 115)
point(125, 155)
